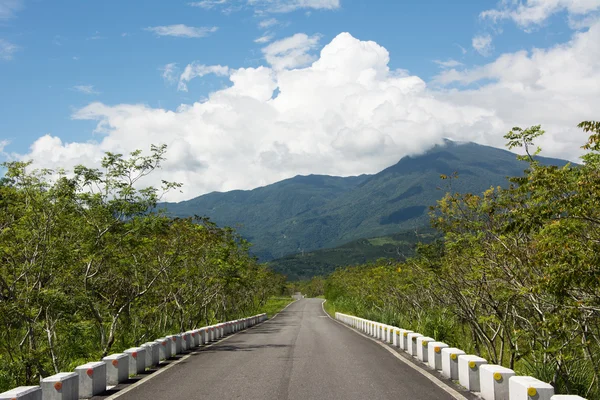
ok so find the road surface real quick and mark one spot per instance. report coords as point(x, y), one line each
point(299, 355)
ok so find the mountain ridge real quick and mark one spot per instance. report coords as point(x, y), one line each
point(311, 212)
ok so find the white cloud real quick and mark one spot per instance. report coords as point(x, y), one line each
point(264, 39)
point(345, 114)
point(196, 70)
point(291, 52)
point(262, 7)
point(7, 50)
point(483, 44)
point(285, 6)
point(85, 89)
point(208, 4)
point(169, 72)
point(448, 63)
point(267, 23)
point(8, 8)
point(181, 30)
point(534, 12)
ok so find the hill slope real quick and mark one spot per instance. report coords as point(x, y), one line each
point(306, 213)
point(398, 246)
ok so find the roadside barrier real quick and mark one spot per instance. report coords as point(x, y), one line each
point(490, 382)
point(95, 377)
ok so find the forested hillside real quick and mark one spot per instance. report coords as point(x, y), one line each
point(308, 213)
point(399, 247)
point(515, 279)
point(86, 270)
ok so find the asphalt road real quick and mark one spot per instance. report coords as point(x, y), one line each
point(299, 355)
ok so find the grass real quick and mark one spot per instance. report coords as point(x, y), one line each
point(275, 305)
point(329, 308)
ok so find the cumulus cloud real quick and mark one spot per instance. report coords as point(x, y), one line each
point(291, 52)
point(7, 50)
point(535, 12)
point(181, 30)
point(345, 114)
point(196, 70)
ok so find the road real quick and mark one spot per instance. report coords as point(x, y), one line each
point(301, 354)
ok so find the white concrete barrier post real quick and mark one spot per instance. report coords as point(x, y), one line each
point(165, 348)
point(186, 341)
point(435, 354)
point(404, 339)
point(422, 348)
point(529, 388)
point(450, 362)
point(562, 397)
point(152, 354)
point(494, 382)
point(468, 371)
point(117, 368)
point(137, 360)
point(62, 386)
point(92, 379)
point(397, 337)
point(175, 342)
point(411, 343)
point(23, 393)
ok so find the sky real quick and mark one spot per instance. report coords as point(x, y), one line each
point(248, 92)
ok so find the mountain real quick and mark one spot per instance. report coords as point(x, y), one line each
point(305, 265)
point(307, 213)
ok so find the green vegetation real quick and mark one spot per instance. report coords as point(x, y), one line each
point(399, 247)
point(308, 213)
point(87, 270)
point(515, 279)
point(274, 305)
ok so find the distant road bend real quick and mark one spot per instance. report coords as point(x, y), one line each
point(300, 355)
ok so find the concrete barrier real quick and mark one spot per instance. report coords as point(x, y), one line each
point(397, 337)
point(175, 342)
point(23, 393)
point(137, 360)
point(62, 386)
point(164, 349)
point(450, 362)
point(494, 382)
point(411, 343)
point(92, 379)
point(434, 350)
point(468, 371)
point(422, 349)
point(404, 339)
point(472, 372)
point(528, 388)
point(152, 354)
point(117, 368)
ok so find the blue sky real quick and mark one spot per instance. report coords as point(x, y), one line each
point(68, 68)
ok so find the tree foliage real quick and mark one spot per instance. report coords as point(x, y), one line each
point(88, 267)
point(516, 277)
